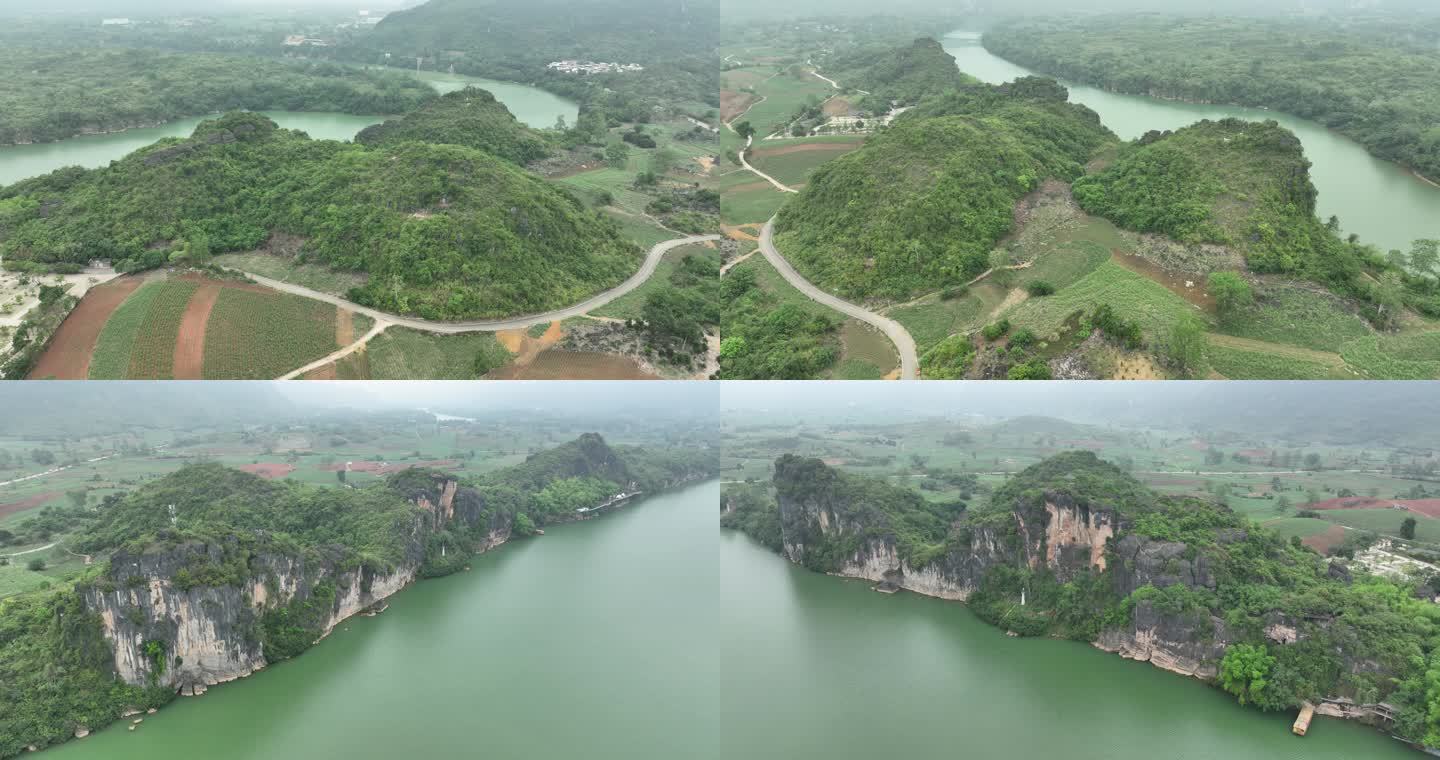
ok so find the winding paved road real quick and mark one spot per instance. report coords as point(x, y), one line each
point(385, 319)
point(778, 186)
point(904, 344)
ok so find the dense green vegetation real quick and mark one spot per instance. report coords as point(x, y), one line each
point(1197, 568)
point(53, 94)
point(444, 231)
point(902, 75)
point(921, 205)
point(769, 337)
point(471, 117)
point(1369, 78)
point(1247, 186)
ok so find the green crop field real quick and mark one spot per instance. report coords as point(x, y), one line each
point(794, 169)
point(867, 353)
point(619, 183)
point(1403, 357)
point(1299, 527)
point(111, 358)
point(1384, 521)
point(153, 354)
point(933, 319)
point(253, 335)
point(747, 199)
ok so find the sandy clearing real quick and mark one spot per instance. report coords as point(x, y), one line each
point(344, 326)
point(189, 360)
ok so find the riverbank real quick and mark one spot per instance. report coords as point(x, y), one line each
point(821, 669)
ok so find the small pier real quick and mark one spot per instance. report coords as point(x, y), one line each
point(1302, 722)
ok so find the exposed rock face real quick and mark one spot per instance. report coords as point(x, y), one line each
point(954, 576)
point(1177, 643)
point(1074, 537)
point(209, 634)
point(1141, 561)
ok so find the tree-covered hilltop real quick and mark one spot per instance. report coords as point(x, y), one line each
point(471, 117)
point(54, 94)
point(1232, 182)
point(898, 75)
point(443, 231)
point(1369, 78)
point(922, 204)
point(514, 40)
point(1246, 185)
point(264, 569)
point(1266, 619)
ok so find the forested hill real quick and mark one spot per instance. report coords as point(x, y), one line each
point(444, 231)
point(1099, 557)
point(470, 117)
point(898, 75)
point(1372, 78)
point(515, 39)
point(920, 206)
point(1246, 185)
point(53, 94)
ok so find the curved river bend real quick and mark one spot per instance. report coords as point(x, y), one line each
point(818, 668)
point(1380, 201)
point(596, 640)
point(530, 105)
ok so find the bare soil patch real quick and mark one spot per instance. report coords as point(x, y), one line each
point(30, 503)
point(68, 356)
point(733, 103)
point(574, 365)
point(836, 107)
point(327, 372)
point(1189, 287)
point(189, 361)
point(1324, 542)
point(344, 327)
point(268, 470)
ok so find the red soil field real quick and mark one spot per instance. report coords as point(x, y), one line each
point(1426, 507)
point(24, 504)
point(68, 357)
point(1324, 542)
point(269, 470)
point(381, 468)
point(190, 340)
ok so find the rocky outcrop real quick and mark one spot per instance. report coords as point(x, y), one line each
point(1073, 539)
point(1188, 645)
point(165, 631)
point(954, 576)
point(1142, 561)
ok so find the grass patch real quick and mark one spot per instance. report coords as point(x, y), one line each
point(1240, 364)
point(401, 353)
point(256, 335)
point(1135, 297)
point(867, 354)
point(1299, 316)
point(313, 276)
point(1064, 266)
point(619, 183)
point(855, 369)
point(1399, 357)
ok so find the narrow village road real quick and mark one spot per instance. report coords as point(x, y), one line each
point(743, 162)
point(652, 260)
point(904, 344)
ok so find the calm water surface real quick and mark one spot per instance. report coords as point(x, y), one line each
point(818, 667)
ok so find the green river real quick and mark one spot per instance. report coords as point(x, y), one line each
point(596, 640)
point(533, 106)
point(819, 667)
point(1378, 200)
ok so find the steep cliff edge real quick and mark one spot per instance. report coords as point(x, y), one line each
point(1075, 547)
point(209, 574)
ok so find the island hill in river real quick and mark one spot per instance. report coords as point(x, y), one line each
point(1003, 225)
point(209, 574)
point(443, 231)
point(1074, 547)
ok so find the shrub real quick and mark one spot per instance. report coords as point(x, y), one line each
point(994, 330)
point(1040, 288)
